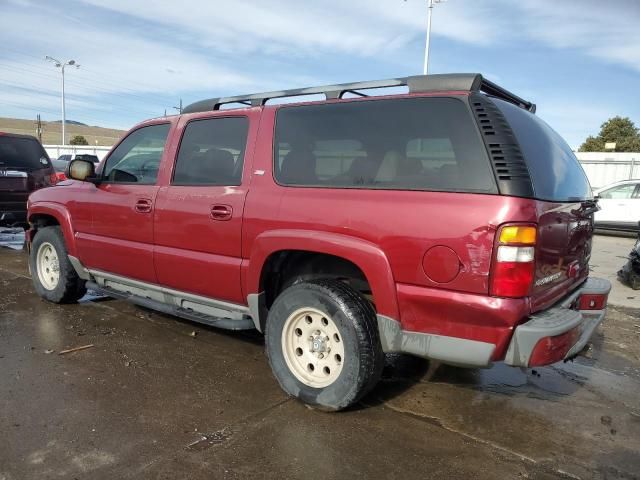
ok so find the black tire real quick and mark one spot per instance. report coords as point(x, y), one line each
point(356, 321)
point(70, 288)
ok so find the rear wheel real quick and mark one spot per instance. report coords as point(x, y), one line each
point(323, 345)
point(54, 278)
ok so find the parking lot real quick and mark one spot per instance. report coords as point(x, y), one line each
point(158, 397)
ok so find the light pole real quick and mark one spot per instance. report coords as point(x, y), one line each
point(61, 66)
point(425, 69)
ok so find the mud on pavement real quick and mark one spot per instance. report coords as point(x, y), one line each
point(157, 397)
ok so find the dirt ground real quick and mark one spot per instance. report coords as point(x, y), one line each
point(157, 397)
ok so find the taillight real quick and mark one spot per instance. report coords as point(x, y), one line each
point(550, 350)
point(53, 179)
point(513, 265)
point(593, 301)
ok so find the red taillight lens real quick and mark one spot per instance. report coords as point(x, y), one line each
point(592, 302)
point(513, 265)
point(512, 279)
point(550, 350)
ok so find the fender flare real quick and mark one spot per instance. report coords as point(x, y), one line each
point(365, 255)
point(61, 214)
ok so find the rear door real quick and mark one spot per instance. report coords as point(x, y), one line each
point(564, 204)
point(120, 237)
point(198, 215)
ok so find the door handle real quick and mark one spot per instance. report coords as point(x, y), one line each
point(221, 212)
point(143, 205)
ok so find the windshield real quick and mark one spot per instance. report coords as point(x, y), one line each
point(22, 154)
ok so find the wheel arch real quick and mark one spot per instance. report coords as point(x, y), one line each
point(271, 247)
point(48, 214)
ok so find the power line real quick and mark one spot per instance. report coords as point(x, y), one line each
point(78, 84)
point(97, 77)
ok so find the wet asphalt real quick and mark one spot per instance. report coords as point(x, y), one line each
point(161, 398)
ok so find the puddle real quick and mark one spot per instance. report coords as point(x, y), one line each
point(12, 238)
point(92, 297)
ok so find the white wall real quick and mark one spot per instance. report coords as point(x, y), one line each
point(54, 151)
point(603, 168)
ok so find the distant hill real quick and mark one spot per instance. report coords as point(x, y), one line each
point(52, 131)
point(70, 122)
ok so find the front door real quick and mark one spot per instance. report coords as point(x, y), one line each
point(120, 239)
point(615, 206)
point(198, 216)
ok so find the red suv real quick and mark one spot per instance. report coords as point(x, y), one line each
point(447, 222)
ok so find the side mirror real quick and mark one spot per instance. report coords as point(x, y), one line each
point(79, 169)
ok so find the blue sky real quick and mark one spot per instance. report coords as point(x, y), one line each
point(579, 60)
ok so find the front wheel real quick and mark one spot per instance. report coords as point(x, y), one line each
point(54, 278)
point(323, 345)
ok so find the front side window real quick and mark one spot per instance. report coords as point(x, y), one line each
point(402, 144)
point(621, 192)
point(137, 158)
point(212, 152)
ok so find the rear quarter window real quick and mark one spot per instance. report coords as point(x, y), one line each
point(555, 171)
point(401, 144)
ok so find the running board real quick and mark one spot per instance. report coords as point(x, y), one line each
point(235, 321)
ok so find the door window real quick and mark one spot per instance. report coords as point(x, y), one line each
point(621, 192)
point(212, 152)
point(137, 158)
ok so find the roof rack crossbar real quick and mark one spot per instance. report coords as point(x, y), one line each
point(420, 83)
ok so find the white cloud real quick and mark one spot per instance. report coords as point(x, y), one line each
point(607, 30)
point(146, 56)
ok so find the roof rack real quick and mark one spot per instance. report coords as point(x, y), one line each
point(473, 82)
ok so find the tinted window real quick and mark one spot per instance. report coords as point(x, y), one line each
point(211, 152)
point(405, 144)
point(137, 158)
point(555, 171)
point(22, 153)
point(64, 158)
point(619, 192)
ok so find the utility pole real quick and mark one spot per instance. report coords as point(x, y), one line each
point(180, 107)
point(425, 69)
point(39, 128)
point(61, 65)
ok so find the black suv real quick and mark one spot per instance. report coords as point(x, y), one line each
point(24, 167)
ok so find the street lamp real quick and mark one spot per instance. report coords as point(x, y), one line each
point(61, 65)
point(426, 47)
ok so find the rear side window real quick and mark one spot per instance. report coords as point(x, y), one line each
point(555, 171)
point(212, 152)
point(22, 154)
point(402, 144)
point(137, 158)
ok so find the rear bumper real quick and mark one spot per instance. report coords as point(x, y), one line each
point(562, 331)
point(12, 217)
